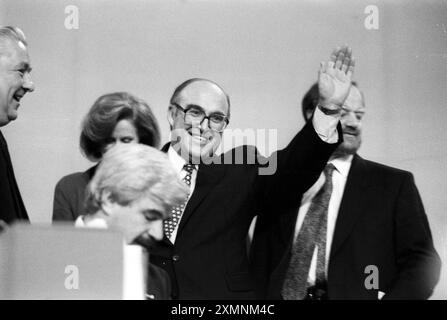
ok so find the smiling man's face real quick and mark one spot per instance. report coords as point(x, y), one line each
point(351, 123)
point(15, 79)
point(194, 141)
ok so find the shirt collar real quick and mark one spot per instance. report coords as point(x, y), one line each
point(177, 161)
point(342, 165)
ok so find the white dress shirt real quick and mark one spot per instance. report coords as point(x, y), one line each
point(325, 126)
point(339, 177)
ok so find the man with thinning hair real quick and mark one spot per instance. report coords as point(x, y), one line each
point(15, 82)
point(134, 188)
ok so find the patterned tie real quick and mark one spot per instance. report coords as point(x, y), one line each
point(312, 233)
point(170, 223)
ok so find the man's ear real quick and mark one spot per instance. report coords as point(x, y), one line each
point(171, 115)
point(309, 114)
point(107, 203)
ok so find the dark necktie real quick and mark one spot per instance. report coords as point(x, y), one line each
point(170, 223)
point(312, 233)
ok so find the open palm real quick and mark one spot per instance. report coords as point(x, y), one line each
point(335, 76)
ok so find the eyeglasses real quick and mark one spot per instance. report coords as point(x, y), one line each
point(196, 115)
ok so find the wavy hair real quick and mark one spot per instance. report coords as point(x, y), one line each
point(132, 171)
point(106, 112)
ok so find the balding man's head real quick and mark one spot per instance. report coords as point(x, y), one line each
point(199, 84)
point(198, 113)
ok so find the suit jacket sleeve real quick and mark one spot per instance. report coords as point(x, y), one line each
point(61, 204)
point(298, 167)
point(417, 260)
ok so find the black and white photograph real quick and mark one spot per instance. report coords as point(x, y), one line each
point(223, 150)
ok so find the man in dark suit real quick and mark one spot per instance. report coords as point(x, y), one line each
point(15, 82)
point(204, 249)
point(375, 242)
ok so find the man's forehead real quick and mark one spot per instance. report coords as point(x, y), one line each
point(203, 93)
point(150, 202)
point(15, 52)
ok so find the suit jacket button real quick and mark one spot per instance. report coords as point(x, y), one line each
point(176, 257)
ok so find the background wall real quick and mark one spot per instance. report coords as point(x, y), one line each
point(264, 53)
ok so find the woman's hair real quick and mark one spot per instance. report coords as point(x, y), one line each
point(106, 112)
point(131, 171)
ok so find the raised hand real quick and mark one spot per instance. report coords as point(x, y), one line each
point(334, 79)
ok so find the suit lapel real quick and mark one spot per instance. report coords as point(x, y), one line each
point(4, 150)
point(208, 176)
point(352, 204)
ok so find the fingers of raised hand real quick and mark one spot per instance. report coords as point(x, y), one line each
point(350, 69)
point(332, 59)
point(341, 62)
point(334, 55)
point(347, 60)
point(341, 58)
point(323, 67)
